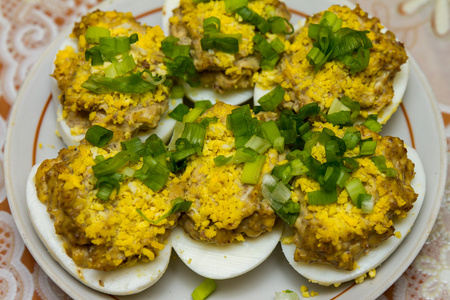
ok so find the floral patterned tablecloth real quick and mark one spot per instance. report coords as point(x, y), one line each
point(27, 27)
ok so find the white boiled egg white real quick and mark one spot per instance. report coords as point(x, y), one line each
point(328, 275)
point(163, 130)
point(234, 97)
point(228, 261)
point(123, 281)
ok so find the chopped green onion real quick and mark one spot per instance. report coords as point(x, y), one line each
point(117, 68)
point(258, 144)
point(126, 84)
point(205, 104)
point(351, 137)
point(355, 188)
point(254, 18)
point(94, 33)
point(211, 24)
point(114, 164)
point(204, 289)
point(228, 43)
point(277, 45)
point(280, 25)
point(105, 190)
point(241, 155)
point(271, 100)
point(380, 163)
point(337, 106)
point(252, 170)
point(372, 123)
point(367, 147)
point(172, 50)
point(232, 5)
point(366, 203)
point(242, 124)
point(193, 115)
point(98, 136)
point(177, 92)
point(195, 134)
point(286, 295)
point(322, 197)
point(178, 205)
point(183, 67)
point(133, 145)
point(343, 177)
point(153, 174)
point(179, 112)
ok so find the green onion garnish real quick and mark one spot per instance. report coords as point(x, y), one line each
point(254, 18)
point(271, 100)
point(178, 205)
point(367, 147)
point(98, 136)
point(94, 33)
point(355, 188)
point(372, 123)
point(322, 197)
point(133, 83)
point(252, 170)
point(233, 5)
point(114, 164)
point(380, 163)
point(258, 144)
point(204, 289)
point(179, 112)
point(228, 43)
point(280, 25)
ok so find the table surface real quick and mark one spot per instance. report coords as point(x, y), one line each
point(27, 27)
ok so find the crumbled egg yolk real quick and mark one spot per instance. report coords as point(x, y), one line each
point(72, 61)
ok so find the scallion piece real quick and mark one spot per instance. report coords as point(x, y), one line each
point(211, 24)
point(367, 147)
point(94, 33)
point(105, 190)
point(193, 115)
point(228, 43)
point(178, 205)
point(204, 104)
point(179, 112)
point(232, 5)
point(133, 145)
point(252, 170)
point(322, 197)
point(280, 25)
point(254, 18)
point(355, 188)
point(126, 84)
point(205, 289)
point(98, 136)
point(351, 137)
point(114, 164)
point(177, 92)
point(366, 203)
point(380, 163)
point(153, 174)
point(258, 144)
point(271, 100)
point(372, 123)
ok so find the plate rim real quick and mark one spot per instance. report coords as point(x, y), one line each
point(438, 120)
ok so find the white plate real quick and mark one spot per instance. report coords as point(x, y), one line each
point(31, 137)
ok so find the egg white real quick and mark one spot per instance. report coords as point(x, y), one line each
point(163, 130)
point(328, 275)
point(234, 97)
point(123, 281)
point(228, 261)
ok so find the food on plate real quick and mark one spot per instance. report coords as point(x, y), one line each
point(358, 187)
point(111, 72)
point(341, 52)
point(229, 228)
point(230, 41)
point(111, 212)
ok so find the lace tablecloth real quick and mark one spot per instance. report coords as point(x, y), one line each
point(27, 27)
